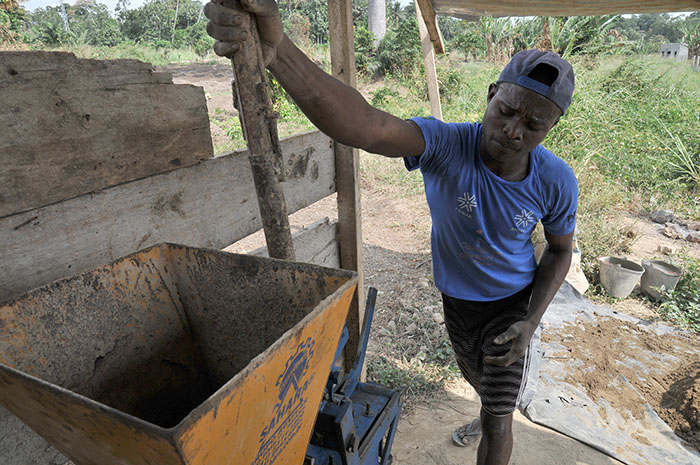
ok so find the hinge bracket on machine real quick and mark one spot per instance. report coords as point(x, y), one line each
point(357, 421)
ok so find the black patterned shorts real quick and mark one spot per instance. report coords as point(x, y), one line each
point(472, 327)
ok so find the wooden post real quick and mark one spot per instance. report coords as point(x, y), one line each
point(259, 124)
point(429, 62)
point(430, 20)
point(347, 165)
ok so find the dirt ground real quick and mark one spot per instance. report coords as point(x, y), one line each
point(424, 436)
point(396, 249)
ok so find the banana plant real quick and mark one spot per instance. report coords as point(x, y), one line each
point(498, 34)
point(691, 36)
point(576, 32)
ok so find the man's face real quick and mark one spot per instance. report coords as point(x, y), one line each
point(516, 121)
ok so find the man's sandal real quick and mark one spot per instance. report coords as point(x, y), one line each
point(467, 434)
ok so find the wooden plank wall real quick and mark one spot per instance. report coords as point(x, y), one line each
point(73, 126)
point(475, 8)
point(211, 204)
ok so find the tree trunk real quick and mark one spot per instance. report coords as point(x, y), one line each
point(377, 20)
point(177, 9)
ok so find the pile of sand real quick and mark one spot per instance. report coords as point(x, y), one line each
point(664, 370)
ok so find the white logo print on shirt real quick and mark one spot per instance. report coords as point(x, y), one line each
point(466, 204)
point(524, 219)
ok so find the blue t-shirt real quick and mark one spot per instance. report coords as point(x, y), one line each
point(482, 223)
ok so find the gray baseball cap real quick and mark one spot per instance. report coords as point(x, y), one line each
point(522, 65)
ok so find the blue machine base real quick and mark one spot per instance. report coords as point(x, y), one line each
point(357, 430)
point(357, 421)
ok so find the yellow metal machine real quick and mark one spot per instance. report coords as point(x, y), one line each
point(175, 355)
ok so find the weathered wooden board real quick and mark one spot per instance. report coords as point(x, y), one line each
point(474, 8)
point(429, 60)
point(316, 244)
point(425, 9)
point(212, 204)
point(347, 162)
point(72, 126)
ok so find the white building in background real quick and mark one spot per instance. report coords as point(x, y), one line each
point(678, 52)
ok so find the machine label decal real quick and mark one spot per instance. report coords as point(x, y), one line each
point(289, 410)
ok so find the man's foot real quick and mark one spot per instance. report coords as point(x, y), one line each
point(468, 434)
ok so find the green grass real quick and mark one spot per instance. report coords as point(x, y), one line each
point(683, 305)
point(419, 364)
point(383, 370)
point(126, 50)
point(622, 118)
point(231, 126)
point(418, 376)
point(291, 119)
point(627, 118)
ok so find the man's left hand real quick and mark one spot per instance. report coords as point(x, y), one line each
point(520, 333)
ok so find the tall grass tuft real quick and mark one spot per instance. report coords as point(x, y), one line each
point(687, 165)
point(683, 305)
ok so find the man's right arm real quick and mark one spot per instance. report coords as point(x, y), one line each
point(335, 108)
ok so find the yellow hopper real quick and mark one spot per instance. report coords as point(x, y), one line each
point(175, 355)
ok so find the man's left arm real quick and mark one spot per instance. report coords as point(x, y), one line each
point(551, 271)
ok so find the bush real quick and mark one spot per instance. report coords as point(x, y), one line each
point(470, 41)
point(364, 50)
point(143, 52)
point(399, 53)
point(382, 96)
point(194, 37)
point(298, 29)
point(451, 81)
point(6, 33)
point(10, 24)
point(683, 305)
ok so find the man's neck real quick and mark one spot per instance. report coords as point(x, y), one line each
point(513, 169)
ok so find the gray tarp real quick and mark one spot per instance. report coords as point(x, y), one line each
point(552, 402)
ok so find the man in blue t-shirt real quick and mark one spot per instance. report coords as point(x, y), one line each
point(487, 186)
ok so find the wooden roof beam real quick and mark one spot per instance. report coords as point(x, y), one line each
point(430, 18)
point(475, 8)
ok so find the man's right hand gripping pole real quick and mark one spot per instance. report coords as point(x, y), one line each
point(237, 38)
point(230, 29)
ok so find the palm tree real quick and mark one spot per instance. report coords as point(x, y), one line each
point(377, 20)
